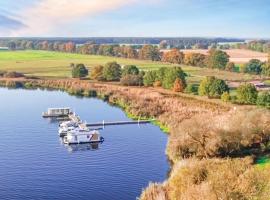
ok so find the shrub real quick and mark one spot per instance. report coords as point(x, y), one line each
point(264, 99)
point(79, 71)
point(178, 85)
point(97, 73)
point(230, 66)
point(13, 75)
point(157, 84)
point(130, 70)
point(212, 87)
point(191, 89)
point(149, 78)
point(247, 94)
point(132, 80)
point(226, 97)
point(112, 71)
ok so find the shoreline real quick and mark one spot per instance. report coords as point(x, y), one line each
point(169, 109)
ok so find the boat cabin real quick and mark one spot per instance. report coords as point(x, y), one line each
point(57, 112)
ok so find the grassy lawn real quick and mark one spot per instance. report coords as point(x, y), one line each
point(55, 64)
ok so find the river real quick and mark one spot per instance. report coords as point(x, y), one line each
point(36, 165)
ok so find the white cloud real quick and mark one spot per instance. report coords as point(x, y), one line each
point(47, 15)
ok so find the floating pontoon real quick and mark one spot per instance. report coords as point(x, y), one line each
point(57, 112)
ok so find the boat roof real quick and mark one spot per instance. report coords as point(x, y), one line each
point(59, 108)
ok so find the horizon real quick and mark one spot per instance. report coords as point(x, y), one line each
point(133, 18)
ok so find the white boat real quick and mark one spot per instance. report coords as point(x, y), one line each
point(57, 112)
point(78, 136)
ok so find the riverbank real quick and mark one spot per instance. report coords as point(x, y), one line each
point(204, 135)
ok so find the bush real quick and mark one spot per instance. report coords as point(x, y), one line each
point(247, 94)
point(132, 80)
point(13, 75)
point(226, 97)
point(212, 87)
point(112, 71)
point(97, 73)
point(149, 78)
point(191, 89)
point(130, 70)
point(264, 99)
point(171, 74)
point(230, 66)
point(79, 71)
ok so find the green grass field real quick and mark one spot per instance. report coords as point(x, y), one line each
point(55, 64)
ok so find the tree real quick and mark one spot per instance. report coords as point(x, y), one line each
point(130, 70)
point(79, 71)
point(247, 94)
point(217, 59)
point(254, 66)
point(264, 99)
point(149, 52)
point(112, 71)
point(149, 78)
point(230, 66)
point(173, 56)
point(226, 97)
point(212, 87)
point(266, 67)
point(178, 85)
point(97, 73)
point(195, 59)
point(170, 75)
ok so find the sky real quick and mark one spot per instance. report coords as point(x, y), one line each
point(135, 18)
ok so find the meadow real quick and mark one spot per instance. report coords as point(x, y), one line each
point(57, 65)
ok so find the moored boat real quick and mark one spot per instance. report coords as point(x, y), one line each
point(57, 112)
point(78, 136)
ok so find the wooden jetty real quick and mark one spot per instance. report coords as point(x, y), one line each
point(119, 123)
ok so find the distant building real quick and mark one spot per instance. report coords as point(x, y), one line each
point(260, 85)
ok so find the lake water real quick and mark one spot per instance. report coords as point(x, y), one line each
point(36, 165)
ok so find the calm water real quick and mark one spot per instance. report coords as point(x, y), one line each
point(36, 165)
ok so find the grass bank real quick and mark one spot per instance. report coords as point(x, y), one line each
point(212, 146)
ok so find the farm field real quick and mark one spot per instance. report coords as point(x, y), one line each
point(238, 56)
point(57, 65)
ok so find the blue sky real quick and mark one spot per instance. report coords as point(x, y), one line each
point(168, 18)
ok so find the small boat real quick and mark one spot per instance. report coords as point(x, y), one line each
point(57, 112)
point(78, 136)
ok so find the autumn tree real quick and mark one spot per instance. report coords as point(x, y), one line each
point(170, 75)
point(173, 56)
point(149, 52)
point(195, 59)
point(217, 59)
point(97, 73)
point(178, 86)
point(70, 47)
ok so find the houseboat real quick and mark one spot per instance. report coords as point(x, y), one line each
point(78, 136)
point(57, 112)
